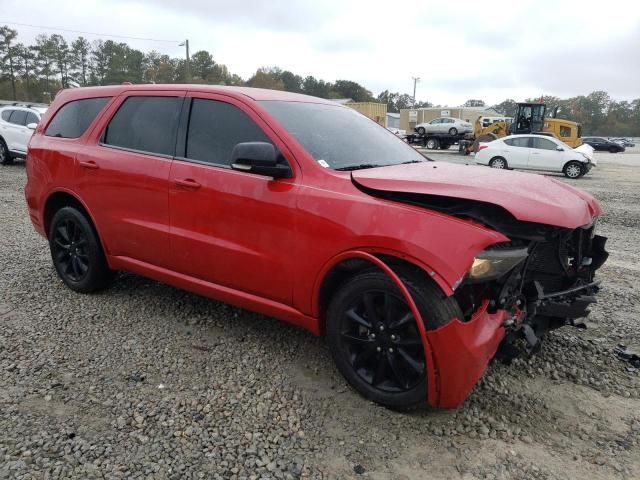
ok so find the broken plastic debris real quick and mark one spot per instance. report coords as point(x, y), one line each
point(628, 356)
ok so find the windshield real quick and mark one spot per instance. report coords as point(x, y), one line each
point(341, 138)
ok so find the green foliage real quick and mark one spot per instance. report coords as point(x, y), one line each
point(35, 72)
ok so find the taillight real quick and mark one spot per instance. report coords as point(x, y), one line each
point(482, 147)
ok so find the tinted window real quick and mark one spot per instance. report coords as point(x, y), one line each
point(435, 121)
point(73, 119)
point(543, 143)
point(6, 114)
point(147, 124)
point(518, 142)
point(18, 117)
point(334, 134)
point(31, 118)
point(215, 128)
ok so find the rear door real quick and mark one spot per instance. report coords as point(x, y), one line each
point(545, 155)
point(124, 176)
point(517, 151)
point(228, 227)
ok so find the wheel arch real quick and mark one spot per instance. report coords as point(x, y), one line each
point(347, 264)
point(63, 198)
point(384, 262)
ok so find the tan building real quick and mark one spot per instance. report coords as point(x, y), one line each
point(410, 117)
point(375, 111)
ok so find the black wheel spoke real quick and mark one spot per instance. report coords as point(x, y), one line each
point(358, 340)
point(397, 371)
point(388, 308)
point(410, 342)
point(407, 317)
point(412, 363)
point(76, 268)
point(353, 315)
point(380, 372)
point(370, 307)
point(362, 357)
point(61, 243)
point(64, 233)
point(82, 265)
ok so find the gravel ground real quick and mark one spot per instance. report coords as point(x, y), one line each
point(147, 381)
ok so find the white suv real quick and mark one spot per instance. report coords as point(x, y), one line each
point(17, 123)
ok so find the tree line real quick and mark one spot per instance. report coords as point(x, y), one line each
point(34, 73)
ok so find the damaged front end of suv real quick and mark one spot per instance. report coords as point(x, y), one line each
point(514, 292)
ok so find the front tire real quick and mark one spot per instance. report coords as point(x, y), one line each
point(421, 130)
point(499, 163)
point(573, 169)
point(453, 131)
point(76, 252)
point(375, 341)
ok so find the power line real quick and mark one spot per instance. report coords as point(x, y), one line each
point(89, 33)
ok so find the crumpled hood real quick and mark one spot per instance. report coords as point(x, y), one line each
point(528, 197)
point(587, 150)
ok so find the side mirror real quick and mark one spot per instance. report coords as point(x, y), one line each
point(32, 126)
point(559, 148)
point(260, 158)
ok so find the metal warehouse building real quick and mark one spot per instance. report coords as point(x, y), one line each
point(410, 117)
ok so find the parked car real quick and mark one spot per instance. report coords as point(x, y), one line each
point(17, 123)
point(603, 144)
point(446, 125)
point(625, 142)
point(415, 271)
point(536, 152)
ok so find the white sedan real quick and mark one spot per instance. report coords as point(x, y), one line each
point(444, 125)
point(536, 152)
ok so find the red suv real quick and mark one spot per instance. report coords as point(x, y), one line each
point(304, 210)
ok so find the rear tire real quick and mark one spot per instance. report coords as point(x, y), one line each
point(76, 252)
point(374, 340)
point(453, 131)
point(499, 163)
point(432, 144)
point(5, 156)
point(613, 150)
point(573, 169)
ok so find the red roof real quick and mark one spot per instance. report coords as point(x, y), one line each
point(253, 93)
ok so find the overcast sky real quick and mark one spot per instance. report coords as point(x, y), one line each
point(530, 48)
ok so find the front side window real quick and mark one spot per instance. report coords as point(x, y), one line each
point(340, 137)
point(18, 117)
point(74, 118)
point(435, 121)
point(543, 144)
point(215, 128)
point(6, 114)
point(145, 124)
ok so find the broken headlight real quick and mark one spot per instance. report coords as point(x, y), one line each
point(493, 264)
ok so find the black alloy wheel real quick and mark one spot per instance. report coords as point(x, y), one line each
point(381, 341)
point(77, 253)
point(70, 250)
point(374, 338)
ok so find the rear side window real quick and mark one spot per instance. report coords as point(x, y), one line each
point(18, 117)
point(145, 124)
point(215, 128)
point(73, 119)
point(6, 114)
point(31, 118)
point(518, 142)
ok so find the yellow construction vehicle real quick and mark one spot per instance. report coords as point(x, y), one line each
point(529, 118)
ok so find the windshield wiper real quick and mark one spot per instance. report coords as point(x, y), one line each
point(357, 167)
point(412, 161)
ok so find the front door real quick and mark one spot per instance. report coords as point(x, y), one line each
point(545, 155)
point(231, 228)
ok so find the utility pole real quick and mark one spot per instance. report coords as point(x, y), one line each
point(188, 64)
point(415, 81)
